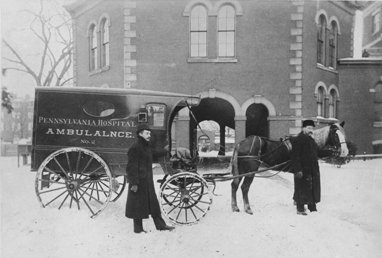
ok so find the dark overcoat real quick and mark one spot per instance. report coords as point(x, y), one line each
point(139, 172)
point(304, 157)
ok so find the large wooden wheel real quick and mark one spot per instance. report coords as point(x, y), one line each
point(74, 178)
point(185, 198)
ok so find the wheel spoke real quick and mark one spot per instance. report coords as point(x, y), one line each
point(91, 193)
point(97, 192)
point(63, 201)
point(100, 186)
point(62, 169)
point(193, 213)
point(53, 172)
point(177, 217)
point(68, 161)
point(87, 188)
point(77, 200)
point(51, 181)
point(97, 200)
point(52, 190)
point(71, 201)
point(78, 161)
point(86, 203)
point(96, 170)
point(55, 198)
point(87, 165)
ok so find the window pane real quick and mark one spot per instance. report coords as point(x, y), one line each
point(194, 50)
point(94, 39)
point(202, 50)
point(230, 50)
point(222, 50)
point(198, 18)
point(222, 23)
point(106, 33)
point(222, 38)
point(230, 37)
point(194, 38)
point(202, 38)
point(107, 59)
point(194, 24)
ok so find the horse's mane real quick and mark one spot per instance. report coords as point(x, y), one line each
point(321, 136)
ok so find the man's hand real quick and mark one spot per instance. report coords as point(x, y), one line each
point(134, 188)
point(298, 174)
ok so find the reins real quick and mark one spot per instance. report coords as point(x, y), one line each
point(219, 178)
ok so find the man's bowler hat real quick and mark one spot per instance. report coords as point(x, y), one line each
point(142, 127)
point(306, 123)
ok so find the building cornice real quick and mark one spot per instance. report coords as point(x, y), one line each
point(79, 7)
point(346, 8)
point(371, 8)
point(360, 61)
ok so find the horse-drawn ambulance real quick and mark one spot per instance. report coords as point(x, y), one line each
point(81, 137)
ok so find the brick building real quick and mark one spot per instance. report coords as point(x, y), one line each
point(261, 67)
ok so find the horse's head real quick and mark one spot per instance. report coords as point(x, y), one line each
point(336, 139)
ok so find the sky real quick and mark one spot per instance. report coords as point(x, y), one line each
point(14, 27)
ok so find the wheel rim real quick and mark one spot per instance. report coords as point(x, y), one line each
point(120, 182)
point(74, 178)
point(185, 198)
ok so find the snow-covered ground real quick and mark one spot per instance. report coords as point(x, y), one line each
point(348, 222)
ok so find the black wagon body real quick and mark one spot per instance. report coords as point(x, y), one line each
point(81, 137)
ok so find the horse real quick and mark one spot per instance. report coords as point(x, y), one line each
point(255, 151)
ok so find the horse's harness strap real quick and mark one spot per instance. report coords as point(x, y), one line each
point(288, 144)
point(253, 143)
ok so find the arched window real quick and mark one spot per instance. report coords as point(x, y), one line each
point(226, 31)
point(333, 44)
point(198, 31)
point(105, 43)
point(321, 102)
point(333, 100)
point(321, 35)
point(93, 55)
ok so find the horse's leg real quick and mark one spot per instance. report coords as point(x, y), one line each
point(245, 189)
point(234, 186)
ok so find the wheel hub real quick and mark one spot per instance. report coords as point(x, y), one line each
point(185, 196)
point(73, 185)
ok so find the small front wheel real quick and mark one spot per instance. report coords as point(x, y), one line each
point(185, 198)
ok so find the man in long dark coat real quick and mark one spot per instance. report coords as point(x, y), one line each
point(141, 199)
point(307, 186)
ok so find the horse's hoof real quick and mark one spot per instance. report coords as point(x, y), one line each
point(250, 212)
point(235, 209)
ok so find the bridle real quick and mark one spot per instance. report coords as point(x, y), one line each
point(334, 143)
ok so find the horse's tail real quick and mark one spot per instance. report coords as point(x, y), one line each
point(234, 166)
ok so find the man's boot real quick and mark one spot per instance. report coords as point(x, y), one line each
point(312, 207)
point(160, 224)
point(301, 209)
point(138, 227)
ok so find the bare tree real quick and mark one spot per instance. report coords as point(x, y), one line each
point(6, 99)
point(54, 32)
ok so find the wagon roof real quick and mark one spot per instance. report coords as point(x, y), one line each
point(114, 91)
